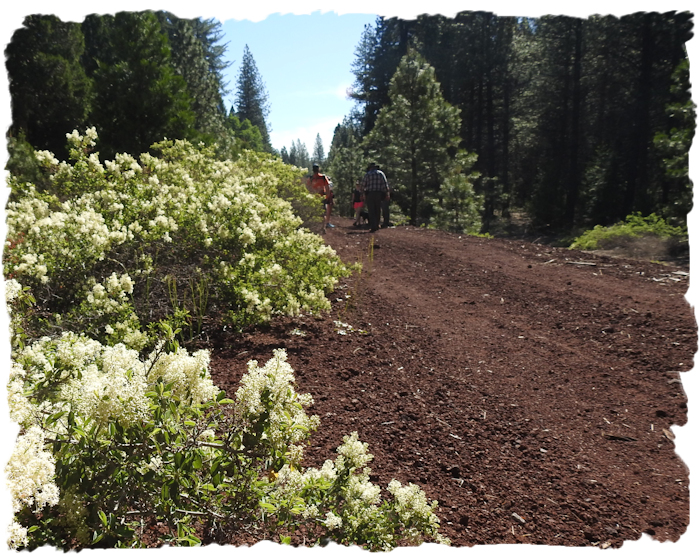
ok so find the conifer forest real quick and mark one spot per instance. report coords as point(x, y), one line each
point(578, 122)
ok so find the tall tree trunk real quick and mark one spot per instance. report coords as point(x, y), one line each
point(414, 188)
point(574, 173)
point(635, 193)
point(506, 148)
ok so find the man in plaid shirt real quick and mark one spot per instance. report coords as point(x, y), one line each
point(376, 189)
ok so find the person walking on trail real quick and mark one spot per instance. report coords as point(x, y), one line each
point(357, 203)
point(320, 184)
point(375, 187)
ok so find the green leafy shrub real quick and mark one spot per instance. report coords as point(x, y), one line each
point(634, 228)
point(185, 235)
point(113, 443)
point(124, 440)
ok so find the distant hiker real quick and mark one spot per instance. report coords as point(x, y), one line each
point(320, 184)
point(357, 203)
point(375, 188)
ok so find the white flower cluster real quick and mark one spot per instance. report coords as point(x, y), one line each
point(18, 535)
point(343, 328)
point(12, 289)
point(332, 521)
point(354, 451)
point(103, 383)
point(22, 410)
point(46, 158)
point(411, 506)
point(271, 389)
point(112, 389)
point(189, 374)
point(30, 472)
point(362, 509)
point(108, 296)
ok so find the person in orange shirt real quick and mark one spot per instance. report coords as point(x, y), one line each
point(320, 184)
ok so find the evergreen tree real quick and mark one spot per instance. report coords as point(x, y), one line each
point(458, 207)
point(51, 94)
point(190, 59)
point(416, 136)
point(251, 97)
point(676, 197)
point(139, 97)
point(346, 161)
point(319, 154)
point(285, 155)
point(209, 33)
point(302, 155)
point(293, 155)
point(377, 57)
point(245, 135)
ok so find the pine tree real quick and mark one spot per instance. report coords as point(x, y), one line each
point(251, 97)
point(346, 161)
point(319, 154)
point(458, 207)
point(189, 60)
point(139, 97)
point(302, 155)
point(415, 136)
point(245, 135)
point(285, 155)
point(676, 197)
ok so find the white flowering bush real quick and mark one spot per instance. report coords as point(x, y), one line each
point(111, 247)
point(114, 443)
point(125, 440)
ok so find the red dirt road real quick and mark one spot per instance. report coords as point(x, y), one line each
point(529, 389)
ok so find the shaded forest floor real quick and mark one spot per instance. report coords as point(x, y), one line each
point(529, 389)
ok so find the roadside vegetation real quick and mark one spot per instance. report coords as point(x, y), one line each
point(649, 236)
point(109, 266)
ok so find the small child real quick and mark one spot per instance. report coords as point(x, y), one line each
point(357, 203)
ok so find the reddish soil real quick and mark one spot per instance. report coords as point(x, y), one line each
point(530, 390)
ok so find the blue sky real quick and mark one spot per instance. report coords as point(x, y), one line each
point(305, 62)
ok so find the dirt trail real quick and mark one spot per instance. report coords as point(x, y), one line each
point(529, 389)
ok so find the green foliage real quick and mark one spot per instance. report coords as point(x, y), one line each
point(110, 248)
point(458, 208)
point(137, 76)
point(634, 226)
point(319, 154)
point(193, 59)
point(298, 155)
point(50, 91)
point(251, 96)
point(347, 163)
point(415, 137)
point(674, 146)
point(245, 135)
point(139, 97)
point(22, 163)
